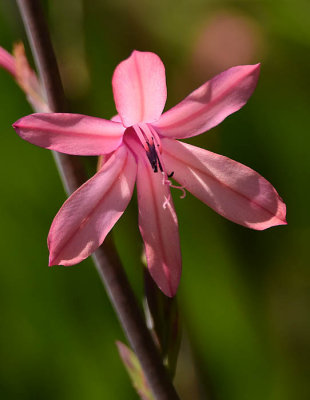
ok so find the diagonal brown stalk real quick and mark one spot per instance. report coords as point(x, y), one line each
point(106, 257)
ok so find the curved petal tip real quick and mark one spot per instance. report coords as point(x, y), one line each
point(278, 219)
point(211, 103)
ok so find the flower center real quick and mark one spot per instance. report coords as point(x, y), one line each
point(151, 143)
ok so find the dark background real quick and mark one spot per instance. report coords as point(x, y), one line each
point(244, 295)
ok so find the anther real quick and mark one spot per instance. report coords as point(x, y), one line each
point(153, 157)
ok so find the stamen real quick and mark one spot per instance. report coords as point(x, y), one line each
point(152, 132)
point(152, 155)
point(142, 137)
point(150, 141)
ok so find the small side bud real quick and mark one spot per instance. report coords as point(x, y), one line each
point(135, 371)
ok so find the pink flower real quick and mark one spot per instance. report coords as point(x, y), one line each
point(17, 65)
point(140, 146)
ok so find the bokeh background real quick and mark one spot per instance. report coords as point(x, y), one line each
point(244, 295)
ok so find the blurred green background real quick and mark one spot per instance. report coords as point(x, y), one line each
point(244, 295)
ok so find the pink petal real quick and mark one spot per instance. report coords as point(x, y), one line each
point(233, 190)
point(212, 102)
point(158, 225)
point(116, 118)
point(71, 133)
point(7, 62)
point(139, 87)
point(85, 219)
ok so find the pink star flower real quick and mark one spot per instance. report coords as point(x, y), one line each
point(140, 146)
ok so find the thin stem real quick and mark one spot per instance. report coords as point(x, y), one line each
point(106, 258)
